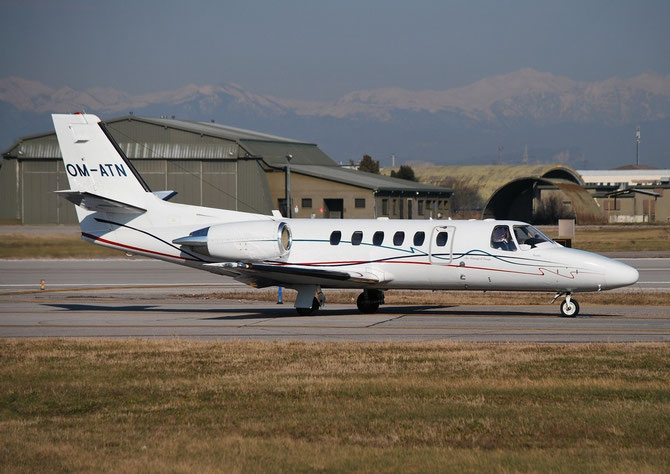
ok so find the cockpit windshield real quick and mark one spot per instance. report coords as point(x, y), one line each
point(529, 235)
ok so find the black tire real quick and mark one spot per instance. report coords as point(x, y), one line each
point(569, 310)
point(365, 306)
point(309, 311)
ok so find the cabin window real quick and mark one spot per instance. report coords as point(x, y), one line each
point(419, 238)
point(356, 238)
point(335, 237)
point(307, 202)
point(441, 239)
point(378, 238)
point(501, 238)
point(398, 238)
point(359, 203)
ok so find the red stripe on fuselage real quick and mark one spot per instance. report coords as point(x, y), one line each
point(130, 247)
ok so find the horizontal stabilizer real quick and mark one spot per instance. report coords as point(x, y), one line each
point(93, 202)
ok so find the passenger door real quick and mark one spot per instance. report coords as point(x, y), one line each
point(441, 244)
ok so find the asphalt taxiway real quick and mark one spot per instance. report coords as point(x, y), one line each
point(16, 275)
point(138, 298)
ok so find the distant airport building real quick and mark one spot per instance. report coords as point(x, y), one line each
point(632, 195)
point(216, 166)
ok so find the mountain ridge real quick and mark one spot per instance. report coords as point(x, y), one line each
point(482, 100)
point(554, 116)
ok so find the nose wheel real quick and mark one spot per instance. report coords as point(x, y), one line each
point(569, 306)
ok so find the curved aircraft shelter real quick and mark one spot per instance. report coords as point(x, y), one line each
point(520, 198)
point(517, 191)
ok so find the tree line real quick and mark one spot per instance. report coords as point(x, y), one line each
point(368, 165)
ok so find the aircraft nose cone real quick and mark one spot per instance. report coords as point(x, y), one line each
point(619, 274)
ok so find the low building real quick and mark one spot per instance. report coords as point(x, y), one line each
point(631, 195)
point(336, 192)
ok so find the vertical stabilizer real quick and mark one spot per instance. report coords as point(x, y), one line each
point(93, 161)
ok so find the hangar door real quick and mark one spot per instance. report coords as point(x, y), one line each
point(37, 203)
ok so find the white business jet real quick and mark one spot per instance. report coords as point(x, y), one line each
point(116, 209)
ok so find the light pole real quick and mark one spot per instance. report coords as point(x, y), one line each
point(637, 147)
point(289, 210)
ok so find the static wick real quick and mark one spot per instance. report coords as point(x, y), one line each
point(42, 284)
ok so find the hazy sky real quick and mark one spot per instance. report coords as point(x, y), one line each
point(322, 50)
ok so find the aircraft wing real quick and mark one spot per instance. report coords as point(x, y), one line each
point(264, 274)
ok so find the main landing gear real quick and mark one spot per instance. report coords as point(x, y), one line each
point(318, 301)
point(368, 302)
point(569, 306)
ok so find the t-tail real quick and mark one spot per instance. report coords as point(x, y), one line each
point(101, 177)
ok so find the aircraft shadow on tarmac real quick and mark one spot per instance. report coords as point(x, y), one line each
point(289, 311)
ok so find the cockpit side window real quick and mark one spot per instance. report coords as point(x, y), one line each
point(501, 238)
point(529, 235)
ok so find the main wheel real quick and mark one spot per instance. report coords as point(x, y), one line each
point(309, 311)
point(366, 306)
point(569, 309)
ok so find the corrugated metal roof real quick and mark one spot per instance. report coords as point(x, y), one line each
point(274, 153)
point(633, 176)
point(149, 138)
point(366, 180)
point(209, 128)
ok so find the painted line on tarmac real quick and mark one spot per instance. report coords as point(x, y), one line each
point(118, 287)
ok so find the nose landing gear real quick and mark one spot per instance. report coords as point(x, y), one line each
point(368, 302)
point(569, 306)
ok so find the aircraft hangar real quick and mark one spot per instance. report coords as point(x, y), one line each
point(213, 165)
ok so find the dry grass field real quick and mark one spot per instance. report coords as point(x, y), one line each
point(120, 406)
point(51, 245)
point(55, 244)
point(610, 238)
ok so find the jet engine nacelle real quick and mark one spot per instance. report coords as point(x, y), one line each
point(262, 240)
point(241, 241)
